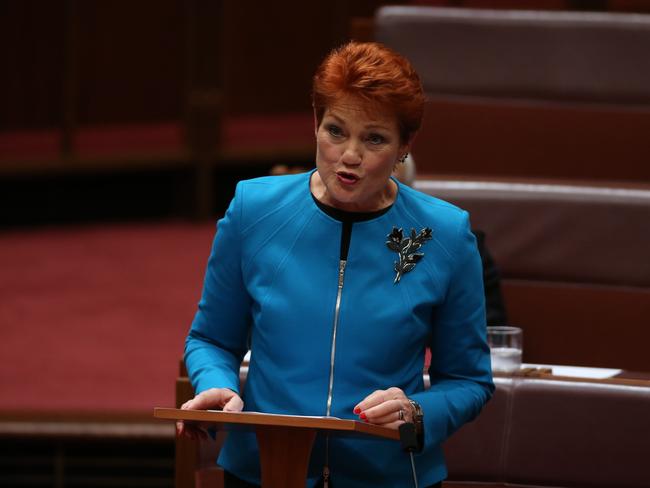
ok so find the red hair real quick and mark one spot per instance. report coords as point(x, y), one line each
point(375, 75)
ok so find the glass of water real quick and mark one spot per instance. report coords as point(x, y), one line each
point(506, 345)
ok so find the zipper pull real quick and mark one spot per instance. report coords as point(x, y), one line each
point(326, 476)
point(341, 272)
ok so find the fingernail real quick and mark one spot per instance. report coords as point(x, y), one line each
point(363, 416)
point(357, 410)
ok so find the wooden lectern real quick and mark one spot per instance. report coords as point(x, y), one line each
point(285, 441)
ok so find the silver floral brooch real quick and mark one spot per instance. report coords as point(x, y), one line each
point(406, 249)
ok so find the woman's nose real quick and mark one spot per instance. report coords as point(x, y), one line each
point(352, 155)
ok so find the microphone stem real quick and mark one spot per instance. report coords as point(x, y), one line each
point(415, 476)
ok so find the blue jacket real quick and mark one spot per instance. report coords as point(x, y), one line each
point(272, 283)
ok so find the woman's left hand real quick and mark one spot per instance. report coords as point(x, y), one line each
point(383, 407)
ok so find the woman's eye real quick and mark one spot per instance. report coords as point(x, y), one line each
point(334, 130)
point(376, 139)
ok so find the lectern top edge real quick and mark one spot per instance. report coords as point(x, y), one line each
point(270, 420)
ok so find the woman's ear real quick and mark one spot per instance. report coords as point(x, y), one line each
point(406, 148)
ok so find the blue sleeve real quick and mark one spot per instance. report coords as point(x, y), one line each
point(217, 340)
point(460, 371)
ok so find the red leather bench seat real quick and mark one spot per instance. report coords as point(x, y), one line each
point(552, 433)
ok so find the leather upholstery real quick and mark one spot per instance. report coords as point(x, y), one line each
point(558, 232)
point(539, 432)
point(551, 94)
point(552, 55)
point(573, 262)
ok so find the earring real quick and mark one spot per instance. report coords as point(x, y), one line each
point(403, 158)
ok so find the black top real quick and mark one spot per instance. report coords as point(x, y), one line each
point(347, 219)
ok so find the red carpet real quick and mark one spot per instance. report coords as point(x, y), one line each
point(93, 319)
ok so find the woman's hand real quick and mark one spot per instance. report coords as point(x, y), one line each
point(383, 407)
point(214, 398)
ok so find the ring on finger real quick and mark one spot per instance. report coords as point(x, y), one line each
point(400, 414)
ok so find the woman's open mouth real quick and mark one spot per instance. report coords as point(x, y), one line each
point(347, 178)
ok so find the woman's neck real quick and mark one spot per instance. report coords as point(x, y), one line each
point(383, 200)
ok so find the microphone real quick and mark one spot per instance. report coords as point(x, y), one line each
point(409, 439)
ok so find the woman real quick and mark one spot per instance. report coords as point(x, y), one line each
point(338, 279)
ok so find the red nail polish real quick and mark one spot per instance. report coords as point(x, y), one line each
point(363, 416)
point(357, 410)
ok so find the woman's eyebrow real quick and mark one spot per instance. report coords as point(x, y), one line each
point(334, 116)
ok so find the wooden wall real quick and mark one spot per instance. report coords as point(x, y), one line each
point(125, 61)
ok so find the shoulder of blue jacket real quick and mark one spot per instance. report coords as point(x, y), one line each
point(273, 190)
point(429, 211)
point(271, 199)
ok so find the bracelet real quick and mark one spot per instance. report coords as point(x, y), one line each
point(418, 421)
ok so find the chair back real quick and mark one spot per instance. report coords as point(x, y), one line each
point(555, 94)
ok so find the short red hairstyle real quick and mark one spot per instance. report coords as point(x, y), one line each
point(377, 76)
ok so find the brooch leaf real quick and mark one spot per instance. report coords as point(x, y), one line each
point(406, 249)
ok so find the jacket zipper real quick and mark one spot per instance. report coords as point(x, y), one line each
point(337, 311)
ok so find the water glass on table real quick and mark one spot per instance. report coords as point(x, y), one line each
point(506, 344)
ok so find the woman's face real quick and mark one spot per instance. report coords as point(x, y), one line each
point(356, 151)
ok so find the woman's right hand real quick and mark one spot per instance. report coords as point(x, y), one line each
point(212, 399)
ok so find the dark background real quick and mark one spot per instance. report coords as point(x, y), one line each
point(73, 65)
point(188, 68)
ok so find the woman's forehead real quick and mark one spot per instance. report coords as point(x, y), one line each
point(350, 110)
